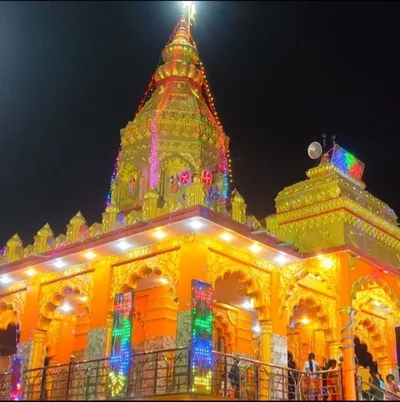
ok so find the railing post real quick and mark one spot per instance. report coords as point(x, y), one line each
point(155, 375)
point(71, 360)
point(189, 374)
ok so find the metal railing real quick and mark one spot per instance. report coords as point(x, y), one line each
point(167, 372)
point(374, 393)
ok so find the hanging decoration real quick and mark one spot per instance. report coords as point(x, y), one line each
point(347, 163)
point(16, 379)
point(120, 345)
point(201, 358)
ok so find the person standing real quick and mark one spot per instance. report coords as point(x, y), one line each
point(292, 377)
point(234, 376)
point(392, 387)
point(311, 367)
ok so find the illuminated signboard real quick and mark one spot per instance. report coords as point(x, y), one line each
point(347, 163)
point(121, 345)
point(16, 379)
point(201, 337)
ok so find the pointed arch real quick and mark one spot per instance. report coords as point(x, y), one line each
point(126, 276)
point(256, 281)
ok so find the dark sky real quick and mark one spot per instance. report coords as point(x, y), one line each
point(72, 75)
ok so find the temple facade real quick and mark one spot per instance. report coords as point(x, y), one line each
point(177, 281)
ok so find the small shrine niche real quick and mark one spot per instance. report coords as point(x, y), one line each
point(126, 187)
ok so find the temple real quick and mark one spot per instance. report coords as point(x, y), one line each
point(177, 284)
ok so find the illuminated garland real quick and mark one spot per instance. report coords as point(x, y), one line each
point(201, 358)
point(120, 359)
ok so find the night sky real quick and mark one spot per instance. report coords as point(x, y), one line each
point(72, 75)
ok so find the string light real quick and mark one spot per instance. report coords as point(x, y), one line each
point(201, 337)
point(121, 345)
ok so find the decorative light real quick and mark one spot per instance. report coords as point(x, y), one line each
point(159, 234)
point(281, 259)
point(226, 236)
point(202, 364)
point(5, 279)
point(66, 308)
point(59, 264)
point(30, 272)
point(305, 321)
point(385, 271)
point(326, 262)
point(257, 328)
point(90, 255)
point(248, 304)
point(255, 248)
point(164, 281)
point(376, 303)
point(196, 224)
point(123, 245)
point(120, 359)
point(84, 298)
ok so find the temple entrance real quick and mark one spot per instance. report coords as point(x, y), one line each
point(307, 333)
point(235, 317)
point(155, 313)
point(64, 324)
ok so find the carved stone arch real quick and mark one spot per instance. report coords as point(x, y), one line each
point(325, 308)
point(126, 276)
point(295, 272)
point(52, 295)
point(222, 328)
point(364, 337)
point(12, 309)
point(375, 329)
point(257, 281)
point(370, 287)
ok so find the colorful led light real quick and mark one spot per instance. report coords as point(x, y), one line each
point(16, 379)
point(201, 337)
point(347, 163)
point(120, 359)
point(66, 308)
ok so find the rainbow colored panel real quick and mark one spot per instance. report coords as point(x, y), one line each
point(120, 359)
point(347, 163)
point(16, 379)
point(201, 357)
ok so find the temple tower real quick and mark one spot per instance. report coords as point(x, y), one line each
point(174, 136)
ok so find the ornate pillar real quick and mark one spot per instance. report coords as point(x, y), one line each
point(109, 326)
point(28, 326)
point(349, 364)
point(38, 349)
point(101, 305)
point(266, 335)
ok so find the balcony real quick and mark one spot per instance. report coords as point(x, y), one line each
point(166, 374)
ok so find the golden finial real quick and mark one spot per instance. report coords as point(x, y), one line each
point(78, 219)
